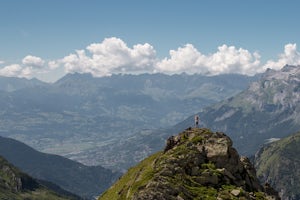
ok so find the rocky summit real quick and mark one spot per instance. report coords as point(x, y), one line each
point(195, 164)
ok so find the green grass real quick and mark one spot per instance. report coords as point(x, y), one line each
point(197, 139)
point(259, 196)
point(39, 194)
point(136, 178)
point(203, 192)
point(209, 165)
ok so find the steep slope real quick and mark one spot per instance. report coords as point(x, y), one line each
point(15, 185)
point(196, 164)
point(278, 163)
point(269, 108)
point(85, 181)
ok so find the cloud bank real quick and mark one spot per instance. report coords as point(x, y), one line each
point(114, 56)
point(29, 67)
point(228, 59)
point(33, 61)
point(290, 56)
point(111, 56)
point(14, 70)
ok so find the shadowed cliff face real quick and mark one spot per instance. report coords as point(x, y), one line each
point(196, 164)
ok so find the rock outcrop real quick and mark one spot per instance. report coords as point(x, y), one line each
point(196, 164)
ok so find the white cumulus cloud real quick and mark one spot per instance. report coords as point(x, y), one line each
point(30, 66)
point(33, 61)
point(110, 56)
point(14, 70)
point(228, 59)
point(1, 62)
point(290, 56)
point(114, 56)
point(53, 64)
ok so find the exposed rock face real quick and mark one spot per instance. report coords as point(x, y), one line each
point(13, 180)
point(196, 164)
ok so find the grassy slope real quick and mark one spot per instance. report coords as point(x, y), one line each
point(39, 194)
point(135, 177)
point(279, 164)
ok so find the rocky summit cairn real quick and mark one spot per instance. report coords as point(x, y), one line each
point(196, 164)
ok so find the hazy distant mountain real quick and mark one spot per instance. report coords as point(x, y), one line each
point(278, 163)
point(15, 185)
point(85, 181)
point(10, 84)
point(80, 114)
point(269, 108)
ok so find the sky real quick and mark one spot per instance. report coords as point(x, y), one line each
point(46, 39)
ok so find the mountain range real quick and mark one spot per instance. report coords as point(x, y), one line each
point(268, 109)
point(79, 114)
point(99, 115)
point(10, 84)
point(85, 181)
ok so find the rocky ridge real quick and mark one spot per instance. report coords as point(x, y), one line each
point(196, 164)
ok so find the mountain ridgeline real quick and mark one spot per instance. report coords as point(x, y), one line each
point(85, 181)
point(10, 84)
point(83, 117)
point(268, 109)
point(195, 164)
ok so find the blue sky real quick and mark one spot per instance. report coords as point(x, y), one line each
point(258, 34)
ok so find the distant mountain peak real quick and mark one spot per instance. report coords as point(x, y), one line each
point(11, 84)
point(195, 164)
point(269, 108)
point(284, 73)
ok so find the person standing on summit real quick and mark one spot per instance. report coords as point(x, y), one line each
point(196, 121)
